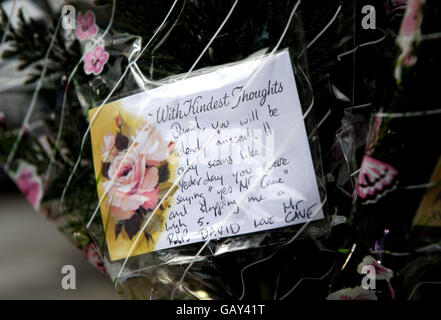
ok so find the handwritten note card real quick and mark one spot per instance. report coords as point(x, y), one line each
point(216, 155)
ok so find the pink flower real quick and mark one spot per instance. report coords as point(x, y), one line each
point(357, 293)
point(132, 185)
point(409, 34)
point(131, 168)
point(412, 18)
point(381, 273)
point(86, 26)
point(375, 178)
point(94, 256)
point(150, 144)
point(94, 61)
point(29, 183)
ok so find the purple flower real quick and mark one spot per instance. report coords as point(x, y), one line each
point(94, 61)
point(29, 183)
point(86, 26)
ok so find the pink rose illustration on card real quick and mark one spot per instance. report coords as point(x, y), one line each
point(133, 169)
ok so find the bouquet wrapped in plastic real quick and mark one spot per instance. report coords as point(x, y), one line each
point(226, 150)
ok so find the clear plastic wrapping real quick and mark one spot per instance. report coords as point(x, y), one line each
point(169, 264)
point(86, 98)
point(112, 65)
